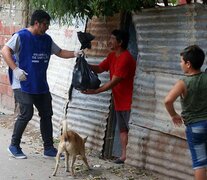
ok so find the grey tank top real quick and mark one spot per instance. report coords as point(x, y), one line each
point(194, 105)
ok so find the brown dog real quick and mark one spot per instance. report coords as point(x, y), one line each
point(72, 144)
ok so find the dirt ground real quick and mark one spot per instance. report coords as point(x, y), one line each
point(100, 169)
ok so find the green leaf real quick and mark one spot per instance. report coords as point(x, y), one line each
point(64, 10)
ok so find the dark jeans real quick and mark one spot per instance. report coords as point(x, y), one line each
point(43, 103)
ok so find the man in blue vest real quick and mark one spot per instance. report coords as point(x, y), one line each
point(31, 48)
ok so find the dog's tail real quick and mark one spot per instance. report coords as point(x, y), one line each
point(85, 139)
point(65, 126)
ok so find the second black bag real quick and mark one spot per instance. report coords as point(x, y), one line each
point(83, 77)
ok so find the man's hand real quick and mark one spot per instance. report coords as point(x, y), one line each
point(89, 91)
point(20, 74)
point(78, 53)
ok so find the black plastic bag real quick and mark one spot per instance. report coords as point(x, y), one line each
point(83, 77)
point(85, 39)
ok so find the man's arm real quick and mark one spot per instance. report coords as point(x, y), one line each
point(7, 55)
point(65, 54)
point(109, 85)
point(20, 74)
point(96, 68)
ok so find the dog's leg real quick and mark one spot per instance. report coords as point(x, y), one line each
point(85, 161)
point(72, 164)
point(57, 163)
point(66, 161)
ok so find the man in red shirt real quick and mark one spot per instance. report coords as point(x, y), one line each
point(121, 66)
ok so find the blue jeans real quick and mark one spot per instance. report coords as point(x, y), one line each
point(43, 103)
point(197, 141)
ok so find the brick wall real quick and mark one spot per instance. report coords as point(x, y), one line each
point(101, 28)
point(12, 19)
point(6, 93)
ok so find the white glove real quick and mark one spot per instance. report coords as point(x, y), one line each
point(78, 53)
point(20, 74)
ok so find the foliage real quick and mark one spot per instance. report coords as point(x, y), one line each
point(65, 9)
point(174, 2)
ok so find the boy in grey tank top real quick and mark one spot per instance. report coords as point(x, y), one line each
point(192, 90)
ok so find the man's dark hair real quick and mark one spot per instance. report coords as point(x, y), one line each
point(39, 16)
point(121, 36)
point(195, 55)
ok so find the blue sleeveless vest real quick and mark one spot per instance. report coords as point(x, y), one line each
point(35, 51)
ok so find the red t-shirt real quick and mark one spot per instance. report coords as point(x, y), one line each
point(122, 66)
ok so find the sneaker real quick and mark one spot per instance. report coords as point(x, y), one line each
point(16, 152)
point(51, 153)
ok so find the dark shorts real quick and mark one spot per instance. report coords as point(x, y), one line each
point(122, 118)
point(197, 141)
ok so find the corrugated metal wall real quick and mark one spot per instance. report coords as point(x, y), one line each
point(154, 142)
point(159, 152)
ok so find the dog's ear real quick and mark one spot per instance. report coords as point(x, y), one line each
point(61, 128)
point(85, 139)
point(61, 131)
